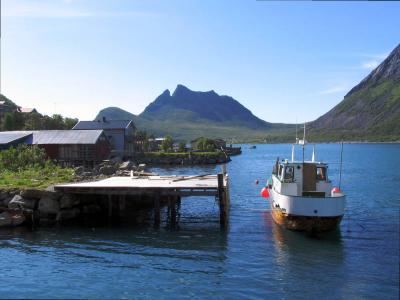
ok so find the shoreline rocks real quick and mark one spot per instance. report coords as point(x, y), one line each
point(190, 158)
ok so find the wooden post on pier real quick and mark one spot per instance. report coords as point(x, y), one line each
point(157, 217)
point(117, 191)
point(172, 210)
point(110, 206)
point(223, 218)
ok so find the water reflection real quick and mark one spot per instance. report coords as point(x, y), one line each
point(120, 240)
point(312, 259)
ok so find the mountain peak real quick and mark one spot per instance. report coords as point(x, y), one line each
point(187, 105)
point(181, 90)
point(166, 93)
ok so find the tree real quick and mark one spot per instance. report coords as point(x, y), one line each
point(205, 144)
point(166, 144)
point(181, 147)
point(8, 122)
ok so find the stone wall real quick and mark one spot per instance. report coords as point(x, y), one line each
point(33, 207)
point(37, 207)
point(190, 158)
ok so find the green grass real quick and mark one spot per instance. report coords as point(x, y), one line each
point(35, 177)
point(27, 167)
point(182, 154)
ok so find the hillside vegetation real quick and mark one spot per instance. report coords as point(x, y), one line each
point(370, 111)
point(188, 114)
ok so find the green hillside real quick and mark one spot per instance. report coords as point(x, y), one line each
point(370, 111)
point(186, 130)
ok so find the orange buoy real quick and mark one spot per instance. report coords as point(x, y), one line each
point(264, 192)
point(336, 190)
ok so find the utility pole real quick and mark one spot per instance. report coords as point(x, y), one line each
point(0, 47)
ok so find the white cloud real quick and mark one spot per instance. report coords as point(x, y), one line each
point(380, 56)
point(370, 64)
point(334, 90)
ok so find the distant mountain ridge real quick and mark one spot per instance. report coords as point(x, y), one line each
point(188, 114)
point(187, 105)
point(370, 111)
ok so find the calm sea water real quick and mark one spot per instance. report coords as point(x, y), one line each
point(254, 259)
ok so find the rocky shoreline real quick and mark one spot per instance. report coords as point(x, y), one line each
point(189, 158)
point(35, 208)
point(38, 207)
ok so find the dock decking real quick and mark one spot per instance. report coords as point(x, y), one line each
point(158, 187)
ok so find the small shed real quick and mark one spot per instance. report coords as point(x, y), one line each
point(70, 147)
point(13, 138)
point(26, 110)
point(155, 144)
point(77, 147)
point(121, 133)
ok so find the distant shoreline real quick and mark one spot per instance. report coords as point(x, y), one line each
point(344, 142)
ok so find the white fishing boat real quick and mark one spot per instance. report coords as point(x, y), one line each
point(302, 196)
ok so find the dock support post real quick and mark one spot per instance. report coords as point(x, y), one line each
point(223, 220)
point(110, 208)
point(122, 202)
point(157, 211)
point(172, 207)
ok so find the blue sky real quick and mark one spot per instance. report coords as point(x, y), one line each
point(285, 61)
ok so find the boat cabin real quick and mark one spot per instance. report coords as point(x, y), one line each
point(301, 178)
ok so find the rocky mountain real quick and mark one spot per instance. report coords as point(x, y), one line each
point(187, 114)
point(187, 105)
point(370, 111)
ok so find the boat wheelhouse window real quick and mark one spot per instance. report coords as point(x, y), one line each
point(289, 172)
point(280, 173)
point(321, 173)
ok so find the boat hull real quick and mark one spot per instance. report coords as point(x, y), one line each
point(305, 223)
point(307, 213)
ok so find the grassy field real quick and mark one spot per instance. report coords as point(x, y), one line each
point(27, 167)
point(35, 177)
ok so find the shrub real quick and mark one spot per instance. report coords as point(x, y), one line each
point(22, 157)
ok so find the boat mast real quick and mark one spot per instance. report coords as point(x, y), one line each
point(292, 153)
point(304, 140)
point(341, 161)
point(313, 154)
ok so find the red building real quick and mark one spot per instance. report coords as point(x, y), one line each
point(69, 147)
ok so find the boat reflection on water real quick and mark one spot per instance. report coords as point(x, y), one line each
point(296, 251)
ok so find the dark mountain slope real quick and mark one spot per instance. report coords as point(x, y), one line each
point(370, 111)
point(187, 105)
point(187, 114)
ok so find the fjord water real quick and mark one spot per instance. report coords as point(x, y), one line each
point(254, 259)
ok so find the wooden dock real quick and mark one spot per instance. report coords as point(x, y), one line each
point(157, 188)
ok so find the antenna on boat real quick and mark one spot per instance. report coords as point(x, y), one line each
point(304, 140)
point(341, 161)
point(292, 153)
point(313, 154)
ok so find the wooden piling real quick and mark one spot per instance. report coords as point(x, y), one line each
point(151, 189)
point(157, 217)
point(122, 202)
point(173, 211)
point(223, 220)
point(110, 207)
